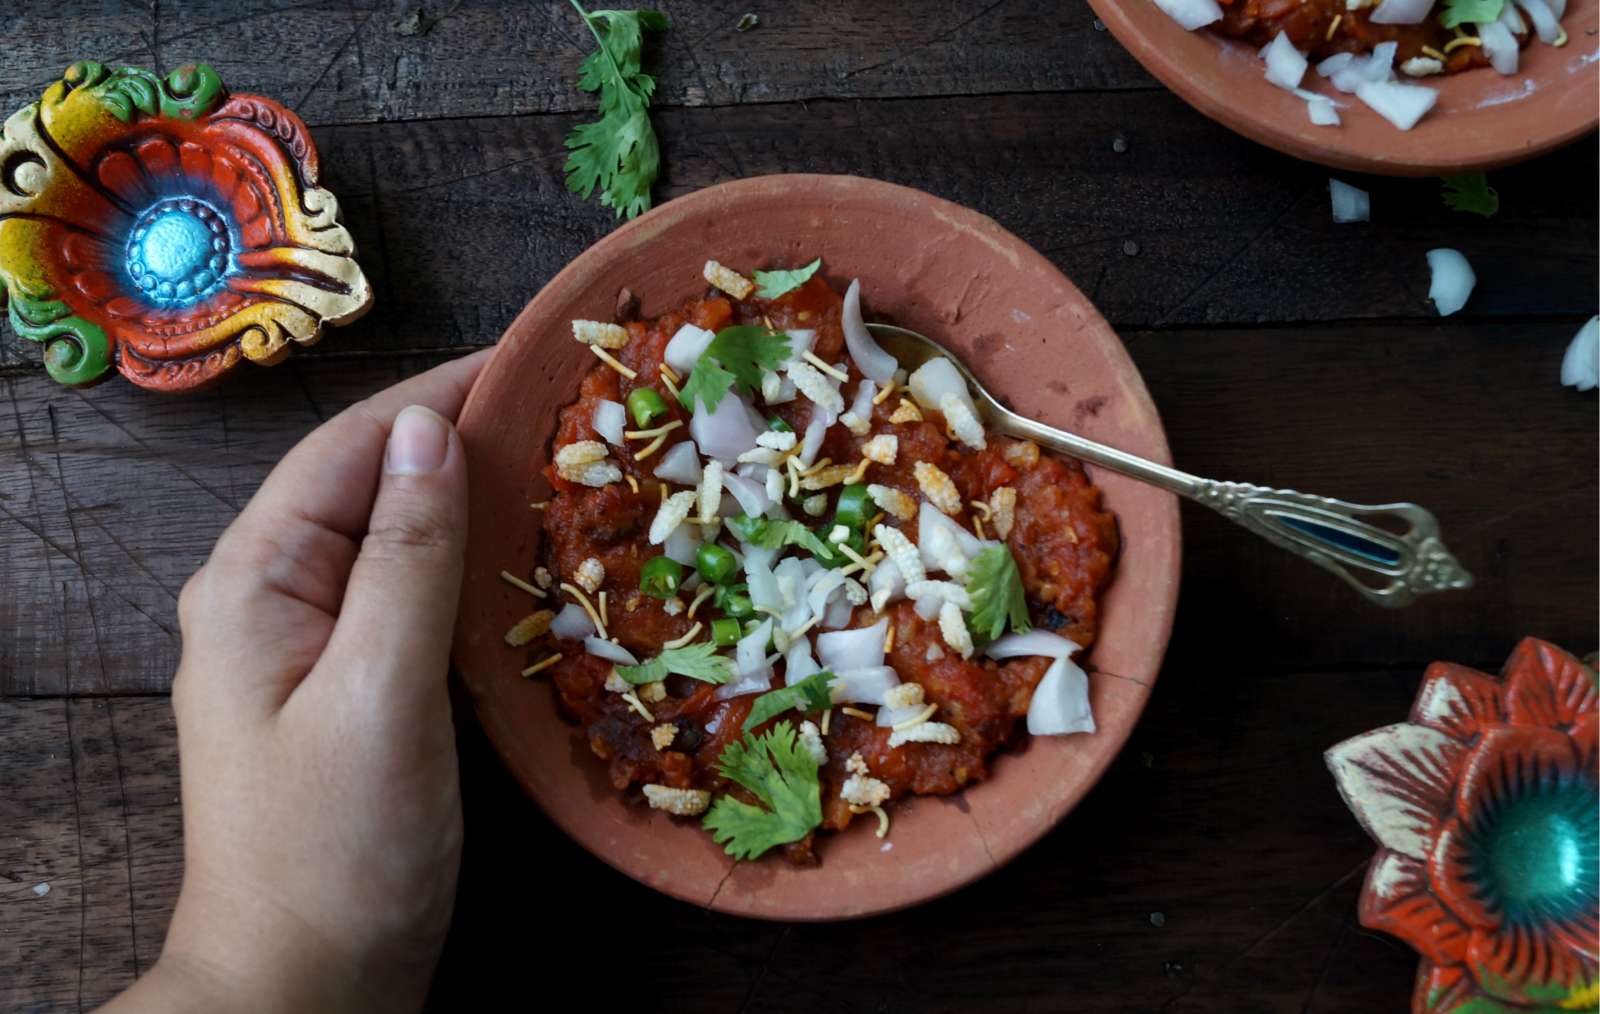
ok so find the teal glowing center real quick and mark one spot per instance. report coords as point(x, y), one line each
point(1542, 852)
point(179, 252)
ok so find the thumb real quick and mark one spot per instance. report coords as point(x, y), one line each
point(399, 607)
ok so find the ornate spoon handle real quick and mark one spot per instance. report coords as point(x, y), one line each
point(1389, 566)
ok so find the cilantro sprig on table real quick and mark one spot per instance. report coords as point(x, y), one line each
point(737, 356)
point(995, 587)
point(697, 661)
point(782, 775)
point(618, 153)
point(1461, 12)
point(809, 694)
point(772, 284)
point(1472, 193)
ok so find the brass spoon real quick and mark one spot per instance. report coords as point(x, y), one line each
point(1330, 533)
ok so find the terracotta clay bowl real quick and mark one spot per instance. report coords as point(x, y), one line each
point(923, 263)
point(1482, 119)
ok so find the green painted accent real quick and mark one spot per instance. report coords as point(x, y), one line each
point(76, 352)
point(190, 91)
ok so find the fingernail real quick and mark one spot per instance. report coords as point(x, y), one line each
point(417, 443)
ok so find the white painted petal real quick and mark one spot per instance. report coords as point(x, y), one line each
point(1397, 782)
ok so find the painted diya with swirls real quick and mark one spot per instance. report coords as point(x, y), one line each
point(167, 229)
point(1486, 805)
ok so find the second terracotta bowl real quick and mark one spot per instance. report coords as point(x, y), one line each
point(1482, 119)
point(923, 263)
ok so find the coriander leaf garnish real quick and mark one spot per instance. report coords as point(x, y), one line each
point(1471, 192)
point(697, 661)
point(776, 534)
point(995, 588)
point(809, 694)
point(737, 355)
point(1460, 12)
point(617, 153)
point(772, 284)
point(783, 776)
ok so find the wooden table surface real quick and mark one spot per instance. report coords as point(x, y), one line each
point(1214, 869)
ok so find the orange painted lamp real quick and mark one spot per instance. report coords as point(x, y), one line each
point(1485, 806)
point(167, 229)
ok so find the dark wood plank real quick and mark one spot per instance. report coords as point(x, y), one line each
point(1219, 816)
point(111, 498)
point(461, 221)
point(92, 851)
point(338, 62)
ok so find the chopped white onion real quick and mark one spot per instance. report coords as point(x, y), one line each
point(1401, 104)
point(610, 419)
point(739, 686)
point(1286, 65)
point(682, 544)
point(752, 496)
point(889, 717)
point(1500, 46)
point(680, 464)
point(1511, 19)
point(1401, 12)
point(1557, 7)
point(1452, 280)
point(800, 342)
point(870, 357)
point(838, 614)
point(725, 433)
point(866, 685)
point(936, 378)
point(886, 578)
point(599, 647)
point(750, 654)
point(686, 347)
point(862, 406)
point(944, 544)
point(1350, 77)
point(1336, 62)
point(1580, 367)
point(1545, 22)
point(1191, 14)
point(1034, 642)
point(1380, 65)
point(798, 663)
point(763, 584)
point(1350, 204)
point(572, 623)
point(859, 648)
point(927, 607)
point(1322, 112)
point(1060, 704)
point(811, 442)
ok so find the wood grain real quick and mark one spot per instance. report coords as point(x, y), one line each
point(459, 222)
point(1221, 777)
point(112, 498)
point(347, 62)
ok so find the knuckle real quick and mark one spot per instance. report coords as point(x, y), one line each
point(409, 531)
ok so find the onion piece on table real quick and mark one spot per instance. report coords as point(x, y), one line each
point(1191, 14)
point(599, 647)
point(610, 419)
point(572, 623)
point(1060, 704)
point(686, 347)
point(1401, 12)
point(1401, 104)
point(870, 358)
point(1580, 367)
point(1286, 65)
point(1350, 204)
point(680, 464)
point(1452, 281)
point(1500, 46)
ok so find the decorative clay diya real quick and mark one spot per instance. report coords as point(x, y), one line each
point(167, 228)
point(1485, 805)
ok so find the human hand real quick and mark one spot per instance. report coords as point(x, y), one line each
point(322, 813)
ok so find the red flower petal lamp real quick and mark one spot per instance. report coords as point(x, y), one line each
point(166, 228)
point(1485, 806)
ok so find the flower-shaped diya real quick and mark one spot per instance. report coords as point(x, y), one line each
point(1486, 805)
point(167, 228)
